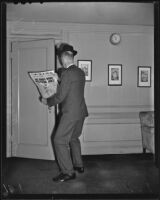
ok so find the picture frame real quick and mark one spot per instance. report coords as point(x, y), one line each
point(86, 66)
point(114, 74)
point(144, 76)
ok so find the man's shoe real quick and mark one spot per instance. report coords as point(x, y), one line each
point(64, 177)
point(79, 169)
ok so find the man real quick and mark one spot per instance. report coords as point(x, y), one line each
point(70, 94)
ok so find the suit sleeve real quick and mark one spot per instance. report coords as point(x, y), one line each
point(62, 91)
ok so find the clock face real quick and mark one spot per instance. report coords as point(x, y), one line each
point(115, 38)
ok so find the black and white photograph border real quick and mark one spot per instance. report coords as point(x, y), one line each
point(14, 192)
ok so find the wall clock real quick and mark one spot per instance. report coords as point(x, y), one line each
point(115, 38)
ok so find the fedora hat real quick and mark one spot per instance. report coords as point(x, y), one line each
point(65, 47)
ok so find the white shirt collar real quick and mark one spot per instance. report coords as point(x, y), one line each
point(70, 65)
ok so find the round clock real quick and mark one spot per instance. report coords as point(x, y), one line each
point(115, 38)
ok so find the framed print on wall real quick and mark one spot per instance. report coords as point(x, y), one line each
point(115, 74)
point(86, 66)
point(144, 76)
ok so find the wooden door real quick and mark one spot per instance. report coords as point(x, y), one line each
point(32, 122)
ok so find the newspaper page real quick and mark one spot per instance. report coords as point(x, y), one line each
point(45, 81)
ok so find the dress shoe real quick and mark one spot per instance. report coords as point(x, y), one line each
point(79, 169)
point(64, 177)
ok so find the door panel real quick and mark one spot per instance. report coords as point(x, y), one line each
point(32, 122)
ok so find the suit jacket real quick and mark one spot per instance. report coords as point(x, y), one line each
point(70, 94)
point(60, 71)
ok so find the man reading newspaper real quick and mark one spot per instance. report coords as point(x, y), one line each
point(70, 94)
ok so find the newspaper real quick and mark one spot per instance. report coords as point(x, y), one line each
point(45, 81)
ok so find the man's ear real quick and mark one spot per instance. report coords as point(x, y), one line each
point(40, 98)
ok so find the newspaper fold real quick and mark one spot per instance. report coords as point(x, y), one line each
point(45, 81)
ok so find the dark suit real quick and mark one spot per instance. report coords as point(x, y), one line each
point(70, 94)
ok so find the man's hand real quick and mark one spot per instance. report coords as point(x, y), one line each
point(43, 100)
point(56, 76)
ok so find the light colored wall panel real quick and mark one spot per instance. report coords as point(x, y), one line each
point(111, 132)
point(116, 147)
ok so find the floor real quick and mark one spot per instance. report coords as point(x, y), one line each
point(104, 174)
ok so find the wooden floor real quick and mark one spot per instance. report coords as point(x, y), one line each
point(104, 175)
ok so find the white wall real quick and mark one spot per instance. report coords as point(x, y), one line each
point(113, 125)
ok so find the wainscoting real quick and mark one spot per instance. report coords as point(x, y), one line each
point(112, 132)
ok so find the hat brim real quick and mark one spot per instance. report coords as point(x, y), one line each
point(60, 52)
point(74, 52)
point(64, 47)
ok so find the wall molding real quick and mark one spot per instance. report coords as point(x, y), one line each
point(33, 36)
point(118, 108)
point(113, 118)
point(17, 27)
point(115, 114)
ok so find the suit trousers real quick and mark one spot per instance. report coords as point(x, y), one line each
point(67, 144)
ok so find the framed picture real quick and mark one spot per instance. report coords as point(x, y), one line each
point(86, 66)
point(144, 76)
point(115, 74)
